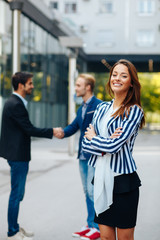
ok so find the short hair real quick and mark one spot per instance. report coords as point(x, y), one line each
point(89, 79)
point(20, 77)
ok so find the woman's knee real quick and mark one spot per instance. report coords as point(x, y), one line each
point(106, 237)
point(107, 233)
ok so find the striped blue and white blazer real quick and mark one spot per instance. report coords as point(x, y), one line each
point(120, 148)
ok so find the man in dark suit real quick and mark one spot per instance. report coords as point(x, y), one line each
point(84, 88)
point(15, 146)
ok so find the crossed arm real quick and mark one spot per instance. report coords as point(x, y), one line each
point(90, 133)
point(113, 144)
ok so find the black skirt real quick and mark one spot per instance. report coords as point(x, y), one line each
point(123, 212)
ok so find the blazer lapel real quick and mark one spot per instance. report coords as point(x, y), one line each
point(16, 98)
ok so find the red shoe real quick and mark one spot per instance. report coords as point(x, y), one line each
point(92, 234)
point(82, 232)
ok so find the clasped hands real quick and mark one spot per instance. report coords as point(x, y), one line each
point(90, 133)
point(58, 132)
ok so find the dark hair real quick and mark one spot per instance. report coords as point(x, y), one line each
point(133, 95)
point(20, 77)
point(89, 80)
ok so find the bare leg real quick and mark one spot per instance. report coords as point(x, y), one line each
point(125, 234)
point(107, 233)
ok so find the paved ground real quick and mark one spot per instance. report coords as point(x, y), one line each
point(54, 202)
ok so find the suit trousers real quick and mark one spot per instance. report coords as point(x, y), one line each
point(18, 172)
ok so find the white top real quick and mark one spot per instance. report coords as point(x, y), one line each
point(104, 176)
point(23, 99)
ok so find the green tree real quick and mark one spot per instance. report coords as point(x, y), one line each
point(100, 88)
point(150, 95)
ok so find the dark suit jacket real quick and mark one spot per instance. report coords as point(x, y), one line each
point(78, 123)
point(16, 131)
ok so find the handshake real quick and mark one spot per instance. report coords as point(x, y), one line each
point(58, 132)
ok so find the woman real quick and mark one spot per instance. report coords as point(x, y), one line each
point(110, 139)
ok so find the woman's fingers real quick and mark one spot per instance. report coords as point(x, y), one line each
point(90, 133)
point(117, 132)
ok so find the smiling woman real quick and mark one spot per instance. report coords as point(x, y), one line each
point(110, 140)
point(120, 82)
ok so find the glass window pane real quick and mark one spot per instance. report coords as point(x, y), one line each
point(146, 6)
point(106, 6)
point(145, 38)
point(54, 4)
point(70, 7)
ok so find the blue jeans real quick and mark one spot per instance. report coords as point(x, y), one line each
point(18, 171)
point(87, 174)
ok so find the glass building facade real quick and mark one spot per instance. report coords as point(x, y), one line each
point(42, 55)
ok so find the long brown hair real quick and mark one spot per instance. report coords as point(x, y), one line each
point(134, 92)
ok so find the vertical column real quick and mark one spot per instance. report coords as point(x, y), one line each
point(0, 81)
point(16, 7)
point(71, 103)
point(2, 32)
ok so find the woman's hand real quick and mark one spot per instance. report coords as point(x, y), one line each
point(90, 133)
point(117, 133)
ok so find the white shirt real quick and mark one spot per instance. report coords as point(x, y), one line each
point(23, 99)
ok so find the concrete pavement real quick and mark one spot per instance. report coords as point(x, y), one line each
point(54, 204)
